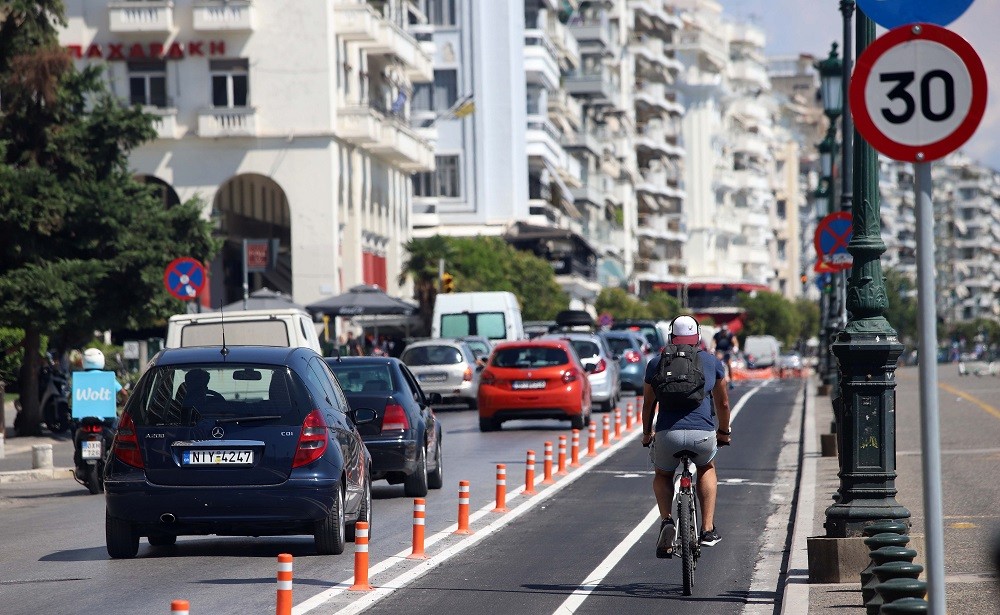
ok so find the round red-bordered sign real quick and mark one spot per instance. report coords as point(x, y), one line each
point(918, 92)
point(184, 278)
point(833, 234)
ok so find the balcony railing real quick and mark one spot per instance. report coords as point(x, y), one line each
point(165, 122)
point(359, 124)
point(240, 122)
point(141, 16)
point(541, 57)
point(223, 16)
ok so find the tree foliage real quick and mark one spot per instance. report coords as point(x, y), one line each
point(83, 244)
point(621, 305)
point(901, 311)
point(769, 313)
point(809, 318)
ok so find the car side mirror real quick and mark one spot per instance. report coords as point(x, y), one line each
point(590, 367)
point(435, 398)
point(363, 416)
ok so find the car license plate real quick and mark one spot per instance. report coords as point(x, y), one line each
point(433, 377)
point(529, 384)
point(91, 449)
point(217, 458)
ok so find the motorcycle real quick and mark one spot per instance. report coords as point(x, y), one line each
point(91, 445)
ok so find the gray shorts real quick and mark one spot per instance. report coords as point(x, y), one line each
point(667, 443)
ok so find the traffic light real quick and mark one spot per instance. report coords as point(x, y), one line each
point(804, 278)
point(447, 283)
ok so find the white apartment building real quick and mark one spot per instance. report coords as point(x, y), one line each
point(289, 118)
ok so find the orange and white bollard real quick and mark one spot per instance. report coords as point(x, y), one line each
point(562, 456)
point(629, 409)
point(419, 519)
point(574, 450)
point(360, 558)
point(606, 434)
point(547, 465)
point(463, 508)
point(618, 423)
point(183, 607)
point(284, 584)
point(529, 475)
point(501, 506)
point(592, 439)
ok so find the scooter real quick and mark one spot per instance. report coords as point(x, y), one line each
point(91, 445)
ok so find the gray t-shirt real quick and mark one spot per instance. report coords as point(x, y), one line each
point(701, 417)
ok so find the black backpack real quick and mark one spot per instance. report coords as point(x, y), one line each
point(679, 381)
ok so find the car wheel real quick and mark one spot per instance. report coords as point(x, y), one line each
point(415, 485)
point(488, 424)
point(578, 421)
point(435, 480)
point(162, 540)
point(331, 533)
point(121, 537)
point(473, 404)
point(607, 406)
point(365, 514)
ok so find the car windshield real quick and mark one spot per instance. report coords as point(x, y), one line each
point(432, 355)
point(620, 344)
point(184, 395)
point(362, 378)
point(530, 356)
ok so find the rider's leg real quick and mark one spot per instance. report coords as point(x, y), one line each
point(663, 489)
point(707, 486)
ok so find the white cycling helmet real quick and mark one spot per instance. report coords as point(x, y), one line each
point(93, 359)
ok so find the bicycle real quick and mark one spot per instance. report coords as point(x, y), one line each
point(686, 527)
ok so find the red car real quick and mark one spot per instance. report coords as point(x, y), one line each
point(534, 379)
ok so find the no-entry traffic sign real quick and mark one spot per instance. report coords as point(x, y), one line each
point(184, 278)
point(918, 92)
point(833, 233)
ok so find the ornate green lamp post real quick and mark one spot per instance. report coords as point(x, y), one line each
point(831, 93)
point(867, 351)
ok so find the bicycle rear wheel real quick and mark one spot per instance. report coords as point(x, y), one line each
point(688, 539)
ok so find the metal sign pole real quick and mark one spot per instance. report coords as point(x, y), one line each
point(246, 276)
point(930, 434)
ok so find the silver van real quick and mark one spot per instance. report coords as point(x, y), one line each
point(761, 351)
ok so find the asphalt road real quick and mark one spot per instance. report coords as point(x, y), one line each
point(53, 558)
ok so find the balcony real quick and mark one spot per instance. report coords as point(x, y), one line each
point(563, 105)
point(592, 191)
point(657, 98)
point(425, 212)
point(360, 23)
point(565, 43)
point(224, 16)
point(543, 141)
point(600, 87)
point(650, 17)
point(750, 73)
point(402, 145)
point(592, 34)
point(652, 62)
point(125, 17)
point(165, 122)
point(749, 180)
point(711, 49)
point(541, 61)
point(241, 122)
point(747, 34)
point(359, 124)
point(583, 140)
point(543, 213)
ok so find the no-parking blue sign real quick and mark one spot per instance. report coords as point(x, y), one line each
point(893, 13)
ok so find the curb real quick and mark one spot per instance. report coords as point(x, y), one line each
point(23, 476)
point(795, 600)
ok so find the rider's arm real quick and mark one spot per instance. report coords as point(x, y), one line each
point(720, 396)
point(648, 407)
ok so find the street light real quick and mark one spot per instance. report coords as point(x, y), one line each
point(826, 148)
point(831, 83)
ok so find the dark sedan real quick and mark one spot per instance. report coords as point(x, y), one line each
point(405, 437)
point(240, 441)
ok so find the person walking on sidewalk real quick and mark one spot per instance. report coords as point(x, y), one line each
point(692, 428)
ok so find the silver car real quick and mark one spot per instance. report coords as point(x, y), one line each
point(605, 379)
point(445, 366)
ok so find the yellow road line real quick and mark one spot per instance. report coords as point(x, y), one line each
point(982, 404)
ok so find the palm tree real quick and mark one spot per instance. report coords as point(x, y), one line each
point(422, 266)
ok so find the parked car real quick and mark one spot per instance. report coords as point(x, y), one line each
point(634, 354)
point(656, 332)
point(761, 351)
point(405, 438)
point(534, 379)
point(445, 366)
point(481, 346)
point(603, 370)
point(240, 441)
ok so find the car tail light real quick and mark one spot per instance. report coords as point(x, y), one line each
point(312, 440)
point(632, 356)
point(394, 418)
point(569, 376)
point(126, 443)
point(601, 366)
point(93, 428)
point(487, 377)
point(467, 375)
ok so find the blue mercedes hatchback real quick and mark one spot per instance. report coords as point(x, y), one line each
point(239, 441)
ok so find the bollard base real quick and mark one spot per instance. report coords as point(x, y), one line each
point(828, 444)
point(836, 560)
point(361, 587)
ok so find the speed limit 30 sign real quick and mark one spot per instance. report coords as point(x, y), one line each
point(918, 92)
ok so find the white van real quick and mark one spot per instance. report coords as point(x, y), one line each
point(761, 350)
point(494, 314)
point(286, 327)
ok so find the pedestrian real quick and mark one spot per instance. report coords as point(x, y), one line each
point(685, 423)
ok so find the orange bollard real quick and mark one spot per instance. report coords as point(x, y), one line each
point(606, 435)
point(501, 506)
point(183, 607)
point(574, 450)
point(284, 584)
point(629, 409)
point(419, 518)
point(562, 456)
point(547, 465)
point(592, 439)
point(463, 508)
point(360, 558)
point(618, 423)
point(529, 475)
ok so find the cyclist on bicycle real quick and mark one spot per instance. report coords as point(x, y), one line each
point(693, 430)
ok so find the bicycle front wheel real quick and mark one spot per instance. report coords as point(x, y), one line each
point(688, 539)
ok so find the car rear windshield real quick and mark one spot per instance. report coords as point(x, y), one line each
point(185, 395)
point(619, 344)
point(238, 333)
point(432, 355)
point(363, 378)
point(648, 332)
point(585, 349)
point(530, 356)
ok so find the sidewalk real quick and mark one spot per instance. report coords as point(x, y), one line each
point(16, 464)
